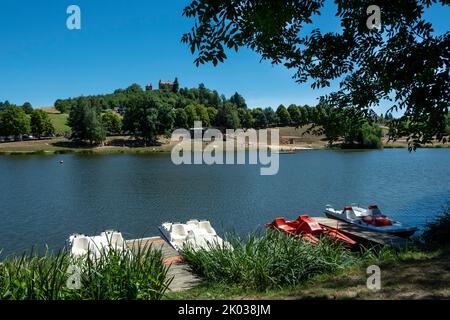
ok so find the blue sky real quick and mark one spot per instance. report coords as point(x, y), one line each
point(134, 41)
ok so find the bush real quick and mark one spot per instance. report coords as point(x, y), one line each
point(270, 261)
point(371, 136)
point(115, 275)
point(437, 232)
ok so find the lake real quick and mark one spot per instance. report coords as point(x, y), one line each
point(42, 201)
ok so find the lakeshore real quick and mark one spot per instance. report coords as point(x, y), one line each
point(291, 139)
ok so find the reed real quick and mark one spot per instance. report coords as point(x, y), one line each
point(113, 275)
point(270, 261)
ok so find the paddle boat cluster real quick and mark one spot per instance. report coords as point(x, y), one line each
point(371, 219)
point(81, 245)
point(199, 234)
point(308, 229)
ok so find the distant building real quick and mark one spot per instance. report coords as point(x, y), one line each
point(166, 85)
point(149, 87)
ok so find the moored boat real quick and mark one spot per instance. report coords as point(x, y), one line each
point(371, 219)
point(198, 234)
point(308, 229)
point(80, 245)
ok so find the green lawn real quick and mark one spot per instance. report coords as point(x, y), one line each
point(59, 121)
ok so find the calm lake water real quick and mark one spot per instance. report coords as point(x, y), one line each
point(42, 201)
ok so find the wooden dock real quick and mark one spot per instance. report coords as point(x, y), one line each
point(362, 235)
point(183, 278)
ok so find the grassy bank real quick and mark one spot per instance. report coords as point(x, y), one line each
point(290, 138)
point(113, 275)
point(65, 146)
point(411, 274)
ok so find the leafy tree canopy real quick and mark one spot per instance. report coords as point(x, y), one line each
point(14, 121)
point(85, 122)
point(405, 62)
point(41, 124)
point(112, 122)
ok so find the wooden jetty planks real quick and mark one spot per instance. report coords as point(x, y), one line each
point(183, 278)
point(360, 234)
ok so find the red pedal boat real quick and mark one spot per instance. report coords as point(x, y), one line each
point(307, 229)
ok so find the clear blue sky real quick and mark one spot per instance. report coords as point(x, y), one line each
point(123, 42)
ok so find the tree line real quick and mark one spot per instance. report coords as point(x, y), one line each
point(147, 114)
point(17, 121)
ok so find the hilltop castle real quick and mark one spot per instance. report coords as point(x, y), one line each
point(164, 86)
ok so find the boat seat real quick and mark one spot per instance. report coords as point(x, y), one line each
point(206, 227)
point(80, 246)
point(178, 232)
point(193, 222)
point(350, 214)
point(113, 239)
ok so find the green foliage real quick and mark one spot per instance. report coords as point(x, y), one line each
point(348, 126)
point(271, 117)
point(260, 118)
point(238, 101)
point(405, 63)
point(283, 116)
point(181, 119)
point(203, 115)
point(166, 118)
point(115, 275)
point(41, 124)
point(141, 117)
point(270, 261)
point(4, 105)
point(228, 117)
point(296, 115)
point(371, 135)
point(14, 121)
point(212, 114)
point(176, 86)
point(27, 107)
point(85, 122)
point(246, 118)
point(437, 233)
point(191, 115)
point(112, 122)
point(134, 89)
point(64, 106)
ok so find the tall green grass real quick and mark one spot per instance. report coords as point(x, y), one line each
point(114, 275)
point(437, 232)
point(270, 261)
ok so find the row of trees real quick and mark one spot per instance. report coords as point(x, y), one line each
point(146, 114)
point(350, 127)
point(27, 107)
point(17, 121)
point(180, 98)
point(149, 114)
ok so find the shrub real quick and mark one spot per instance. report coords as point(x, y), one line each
point(437, 232)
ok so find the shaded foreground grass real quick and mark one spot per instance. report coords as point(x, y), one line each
point(113, 275)
point(408, 274)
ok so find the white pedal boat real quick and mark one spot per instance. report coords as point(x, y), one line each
point(80, 245)
point(194, 233)
point(371, 219)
